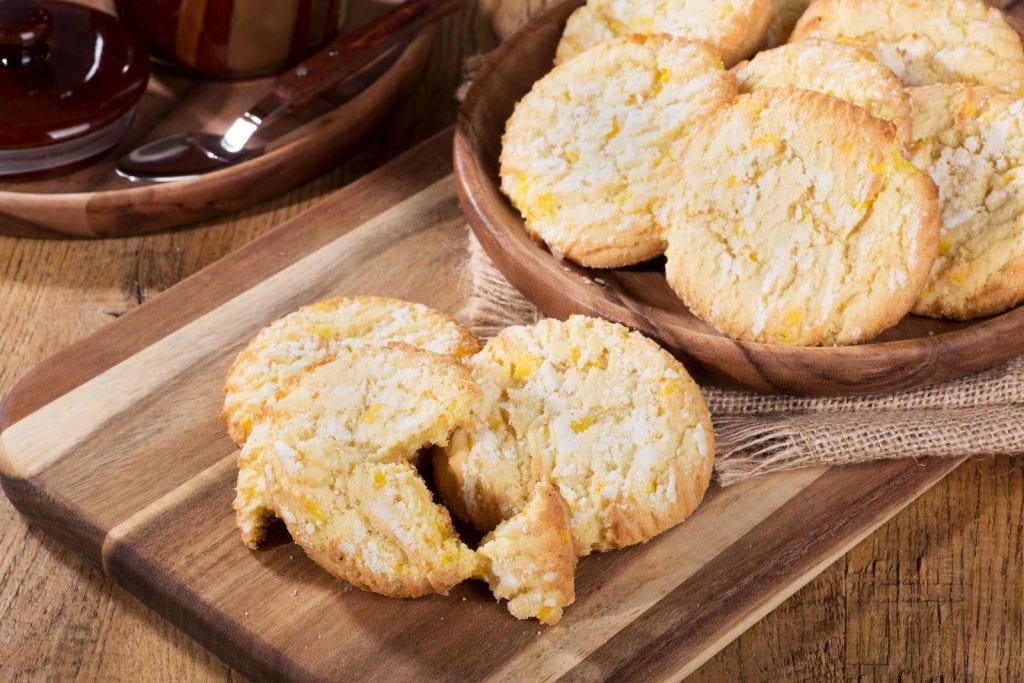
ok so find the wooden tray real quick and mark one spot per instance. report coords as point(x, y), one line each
point(93, 201)
point(113, 446)
point(915, 352)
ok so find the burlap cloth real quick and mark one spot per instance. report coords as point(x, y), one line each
point(755, 434)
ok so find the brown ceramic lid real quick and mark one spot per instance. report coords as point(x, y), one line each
point(66, 71)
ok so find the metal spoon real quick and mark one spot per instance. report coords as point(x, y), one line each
point(344, 60)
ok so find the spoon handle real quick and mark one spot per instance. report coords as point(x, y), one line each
point(346, 55)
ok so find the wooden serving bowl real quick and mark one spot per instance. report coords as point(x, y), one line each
point(916, 352)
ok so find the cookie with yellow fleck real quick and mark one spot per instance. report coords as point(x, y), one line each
point(844, 71)
point(798, 220)
point(287, 346)
point(334, 456)
point(785, 14)
point(529, 559)
point(587, 151)
point(924, 42)
point(605, 414)
point(971, 141)
point(734, 28)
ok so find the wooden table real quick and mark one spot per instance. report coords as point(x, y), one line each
point(935, 592)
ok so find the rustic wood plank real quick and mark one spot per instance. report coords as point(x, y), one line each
point(916, 600)
point(64, 619)
point(846, 505)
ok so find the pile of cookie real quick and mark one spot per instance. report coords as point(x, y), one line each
point(814, 195)
point(556, 439)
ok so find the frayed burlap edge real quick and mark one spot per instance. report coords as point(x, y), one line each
point(493, 303)
point(758, 434)
point(749, 446)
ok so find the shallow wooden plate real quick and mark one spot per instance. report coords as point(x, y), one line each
point(91, 200)
point(915, 352)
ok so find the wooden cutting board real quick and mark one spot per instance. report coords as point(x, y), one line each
point(113, 447)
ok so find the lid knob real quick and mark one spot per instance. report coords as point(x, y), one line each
point(24, 28)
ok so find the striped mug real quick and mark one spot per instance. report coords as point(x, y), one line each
point(233, 38)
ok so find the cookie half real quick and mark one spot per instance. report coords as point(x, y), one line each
point(605, 414)
point(844, 71)
point(283, 349)
point(734, 28)
point(587, 151)
point(799, 221)
point(529, 559)
point(924, 41)
point(334, 458)
point(971, 141)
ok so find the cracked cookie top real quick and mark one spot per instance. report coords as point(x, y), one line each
point(924, 41)
point(844, 71)
point(334, 454)
point(796, 219)
point(605, 414)
point(734, 28)
point(587, 151)
point(971, 141)
point(283, 349)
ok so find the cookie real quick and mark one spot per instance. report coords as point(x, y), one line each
point(393, 506)
point(285, 347)
point(799, 221)
point(587, 151)
point(529, 559)
point(924, 41)
point(334, 452)
point(734, 28)
point(844, 71)
point(971, 141)
point(605, 414)
point(785, 14)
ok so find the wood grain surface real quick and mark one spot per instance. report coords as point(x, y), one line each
point(931, 594)
point(113, 446)
point(915, 352)
point(93, 201)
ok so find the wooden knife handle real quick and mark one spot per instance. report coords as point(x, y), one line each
point(345, 56)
